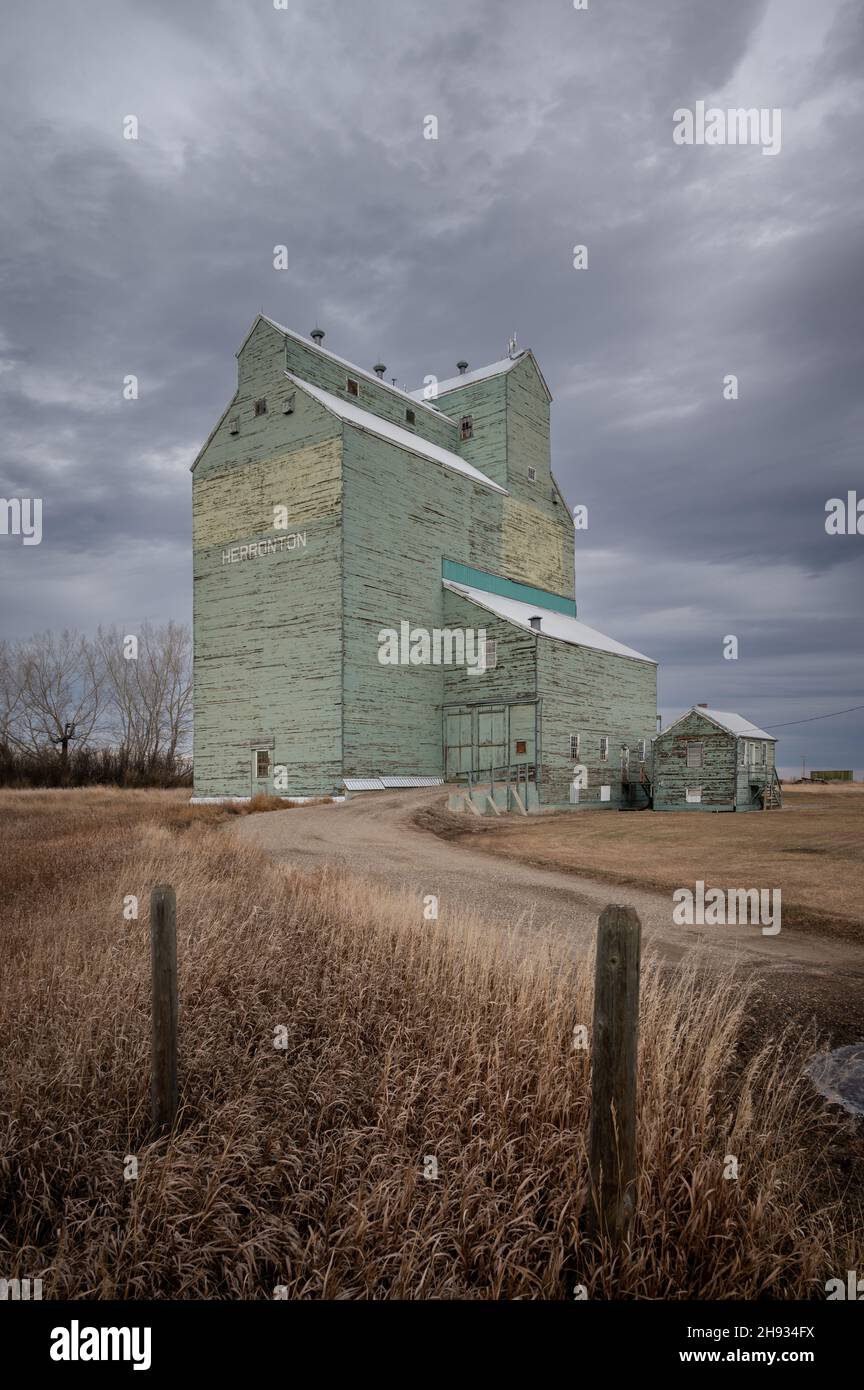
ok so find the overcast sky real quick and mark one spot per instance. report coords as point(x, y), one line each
point(305, 126)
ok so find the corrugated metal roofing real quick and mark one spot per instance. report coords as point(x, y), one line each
point(406, 439)
point(412, 781)
point(363, 784)
point(557, 625)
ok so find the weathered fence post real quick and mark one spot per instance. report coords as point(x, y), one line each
point(163, 960)
point(612, 1134)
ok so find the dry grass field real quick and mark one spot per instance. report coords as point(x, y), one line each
point(406, 1041)
point(812, 849)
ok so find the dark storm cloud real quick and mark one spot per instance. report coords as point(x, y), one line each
point(304, 127)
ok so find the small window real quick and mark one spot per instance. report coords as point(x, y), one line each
point(521, 745)
point(353, 387)
point(764, 754)
point(288, 407)
point(605, 793)
point(604, 748)
point(742, 752)
point(532, 475)
point(491, 649)
point(262, 763)
point(466, 427)
point(693, 794)
point(574, 748)
point(643, 749)
point(694, 754)
point(261, 406)
point(410, 416)
point(234, 426)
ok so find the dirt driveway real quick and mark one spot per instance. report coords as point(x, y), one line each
point(374, 835)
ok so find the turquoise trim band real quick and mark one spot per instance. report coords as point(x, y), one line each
point(507, 588)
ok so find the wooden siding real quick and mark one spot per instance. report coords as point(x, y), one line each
point(268, 643)
point(592, 694)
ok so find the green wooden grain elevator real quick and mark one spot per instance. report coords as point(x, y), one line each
point(351, 542)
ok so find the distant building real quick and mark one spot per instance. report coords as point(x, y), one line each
point(711, 760)
point(331, 508)
point(834, 775)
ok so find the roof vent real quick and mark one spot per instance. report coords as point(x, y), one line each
point(317, 335)
point(701, 706)
point(462, 367)
point(535, 622)
point(380, 369)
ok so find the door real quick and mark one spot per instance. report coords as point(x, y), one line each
point(261, 769)
point(491, 738)
point(457, 742)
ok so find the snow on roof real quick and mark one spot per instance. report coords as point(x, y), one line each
point(557, 625)
point(360, 371)
point(406, 439)
point(733, 723)
point(468, 378)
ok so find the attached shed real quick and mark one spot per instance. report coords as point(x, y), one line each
point(713, 760)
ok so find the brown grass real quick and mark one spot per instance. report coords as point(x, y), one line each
point(811, 850)
point(406, 1038)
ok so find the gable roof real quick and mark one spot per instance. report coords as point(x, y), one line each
point(556, 625)
point(343, 362)
point(505, 364)
point(733, 723)
point(394, 434)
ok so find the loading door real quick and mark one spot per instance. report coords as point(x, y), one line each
point(491, 738)
point(457, 742)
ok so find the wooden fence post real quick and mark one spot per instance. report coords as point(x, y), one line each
point(163, 960)
point(612, 1134)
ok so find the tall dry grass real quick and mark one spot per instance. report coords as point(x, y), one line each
point(304, 1167)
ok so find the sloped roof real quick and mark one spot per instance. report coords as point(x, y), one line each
point(505, 364)
point(732, 723)
point(395, 434)
point(557, 625)
point(351, 366)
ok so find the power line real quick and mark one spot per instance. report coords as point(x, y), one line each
point(814, 717)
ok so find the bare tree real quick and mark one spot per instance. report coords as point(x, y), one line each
point(59, 700)
point(11, 697)
point(148, 691)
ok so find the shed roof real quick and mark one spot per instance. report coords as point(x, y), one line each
point(733, 723)
point(394, 434)
point(504, 364)
point(556, 625)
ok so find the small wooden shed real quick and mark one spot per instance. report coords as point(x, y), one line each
point(712, 760)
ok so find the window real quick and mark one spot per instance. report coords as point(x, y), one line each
point(604, 748)
point(491, 651)
point(694, 754)
point(234, 426)
point(521, 745)
point(353, 387)
point(410, 416)
point(262, 762)
point(261, 406)
point(574, 748)
point(643, 749)
point(288, 407)
point(605, 793)
point(693, 794)
point(532, 475)
point(742, 752)
point(764, 754)
point(466, 427)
